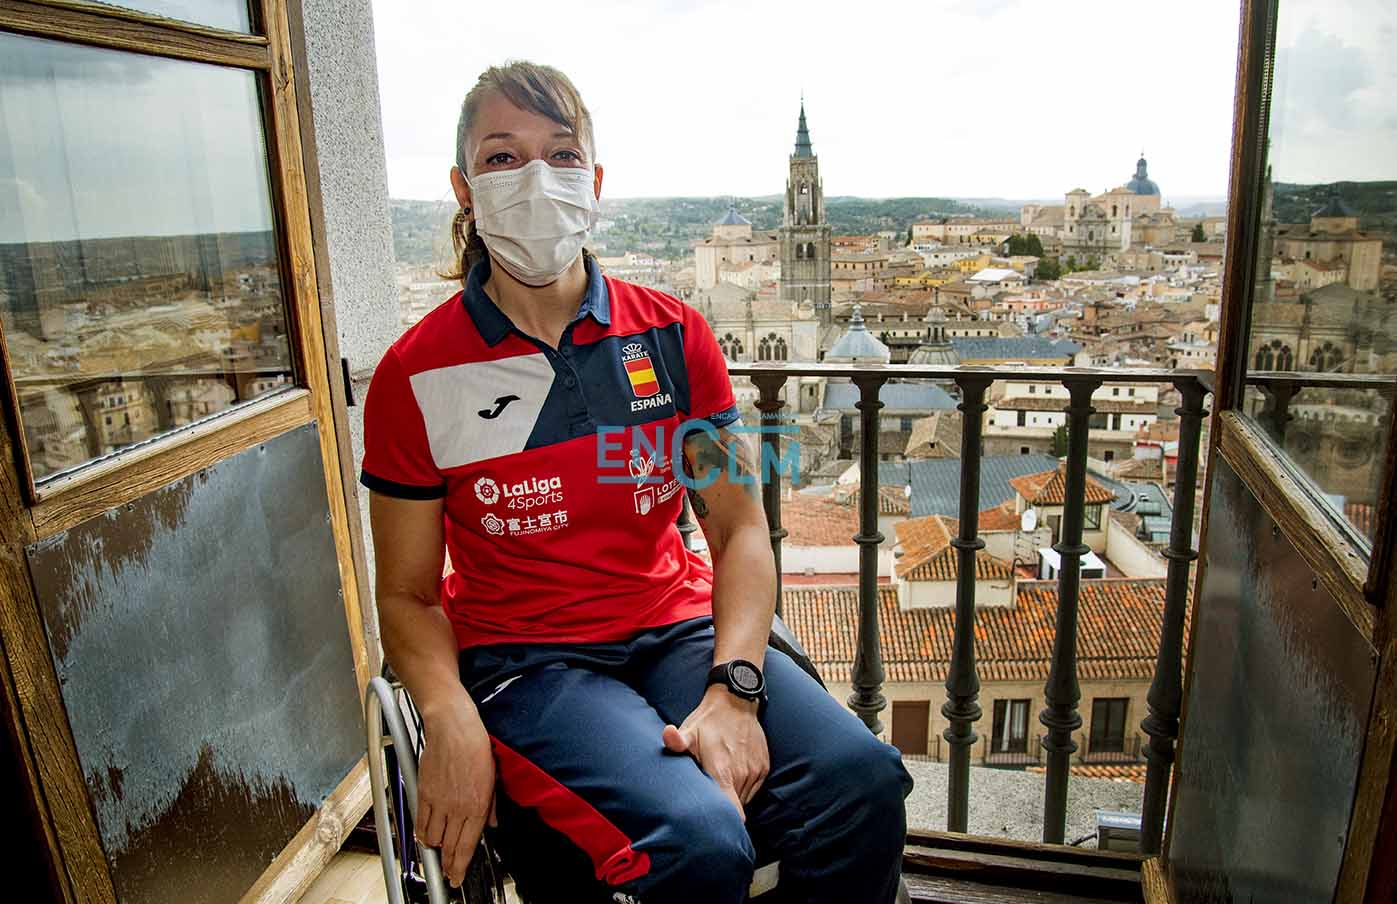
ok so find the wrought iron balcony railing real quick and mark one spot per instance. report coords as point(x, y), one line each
point(1060, 717)
point(1110, 751)
point(1026, 752)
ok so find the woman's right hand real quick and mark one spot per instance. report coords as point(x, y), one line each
point(455, 787)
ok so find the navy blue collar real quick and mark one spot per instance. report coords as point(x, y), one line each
point(493, 324)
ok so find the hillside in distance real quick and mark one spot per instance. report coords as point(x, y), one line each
point(667, 227)
point(1374, 203)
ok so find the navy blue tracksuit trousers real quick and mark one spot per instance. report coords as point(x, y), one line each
point(593, 808)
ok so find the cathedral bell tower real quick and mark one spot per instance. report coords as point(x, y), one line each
point(805, 233)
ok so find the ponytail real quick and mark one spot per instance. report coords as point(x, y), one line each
point(467, 247)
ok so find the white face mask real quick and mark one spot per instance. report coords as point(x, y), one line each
point(534, 219)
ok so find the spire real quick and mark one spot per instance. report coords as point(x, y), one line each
point(803, 148)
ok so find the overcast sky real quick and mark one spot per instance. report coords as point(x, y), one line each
point(962, 98)
point(1334, 112)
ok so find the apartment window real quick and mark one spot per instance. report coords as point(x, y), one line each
point(1032, 389)
point(1108, 456)
point(1022, 417)
point(1010, 726)
point(1093, 517)
point(1108, 724)
point(1024, 450)
point(1115, 390)
point(146, 209)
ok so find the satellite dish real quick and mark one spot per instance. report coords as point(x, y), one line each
point(1029, 520)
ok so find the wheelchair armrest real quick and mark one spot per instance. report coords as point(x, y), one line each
point(783, 639)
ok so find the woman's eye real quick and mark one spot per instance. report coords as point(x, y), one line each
point(496, 159)
point(568, 155)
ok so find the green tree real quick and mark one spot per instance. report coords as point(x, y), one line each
point(1048, 268)
point(1059, 448)
point(1198, 234)
point(909, 234)
point(1033, 246)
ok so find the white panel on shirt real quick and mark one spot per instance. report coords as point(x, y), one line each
point(452, 397)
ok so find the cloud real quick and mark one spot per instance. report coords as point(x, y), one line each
point(1334, 101)
point(905, 97)
point(1317, 78)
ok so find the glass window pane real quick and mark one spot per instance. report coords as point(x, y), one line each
point(230, 15)
point(1321, 353)
point(140, 287)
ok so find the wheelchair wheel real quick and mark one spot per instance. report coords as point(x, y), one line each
point(410, 870)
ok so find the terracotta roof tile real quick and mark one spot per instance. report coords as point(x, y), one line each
point(891, 501)
point(918, 535)
point(1140, 469)
point(1050, 488)
point(927, 554)
point(945, 566)
point(818, 521)
point(1118, 632)
point(935, 436)
point(1134, 772)
point(1001, 517)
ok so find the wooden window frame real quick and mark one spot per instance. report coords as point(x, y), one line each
point(1364, 589)
point(1328, 543)
point(29, 513)
point(115, 479)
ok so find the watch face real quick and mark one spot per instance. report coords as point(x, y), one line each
point(745, 677)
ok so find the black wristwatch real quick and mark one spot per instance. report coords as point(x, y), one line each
point(742, 678)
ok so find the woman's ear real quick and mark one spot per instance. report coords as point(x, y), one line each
point(596, 180)
point(462, 189)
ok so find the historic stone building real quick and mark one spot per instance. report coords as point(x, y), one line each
point(731, 250)
point(1331, 243)
point(1094, 226)
point(805, 232)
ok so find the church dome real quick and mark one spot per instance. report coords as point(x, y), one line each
point(733, 218)
point(935, 347)
point(1141, 184)
point(858, 345)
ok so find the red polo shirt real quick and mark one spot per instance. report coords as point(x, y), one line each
point(558, 467)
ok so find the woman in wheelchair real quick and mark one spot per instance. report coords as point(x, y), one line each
point(586, 683)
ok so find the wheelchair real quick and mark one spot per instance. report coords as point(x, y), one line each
point(411, 871)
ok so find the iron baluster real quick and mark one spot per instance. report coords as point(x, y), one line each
point(769, 403)
point(867, 699)
point(1165, 697)
point(1062, 692)
point(962, 706)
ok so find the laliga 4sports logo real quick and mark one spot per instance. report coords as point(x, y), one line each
point(487, 491)
point(524, 495)
point(640, 371)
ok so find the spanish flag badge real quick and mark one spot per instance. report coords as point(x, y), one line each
point(640, 370)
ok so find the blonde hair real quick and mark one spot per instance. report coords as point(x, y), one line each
point(529, 86)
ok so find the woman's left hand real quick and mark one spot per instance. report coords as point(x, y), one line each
point(723, 734)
